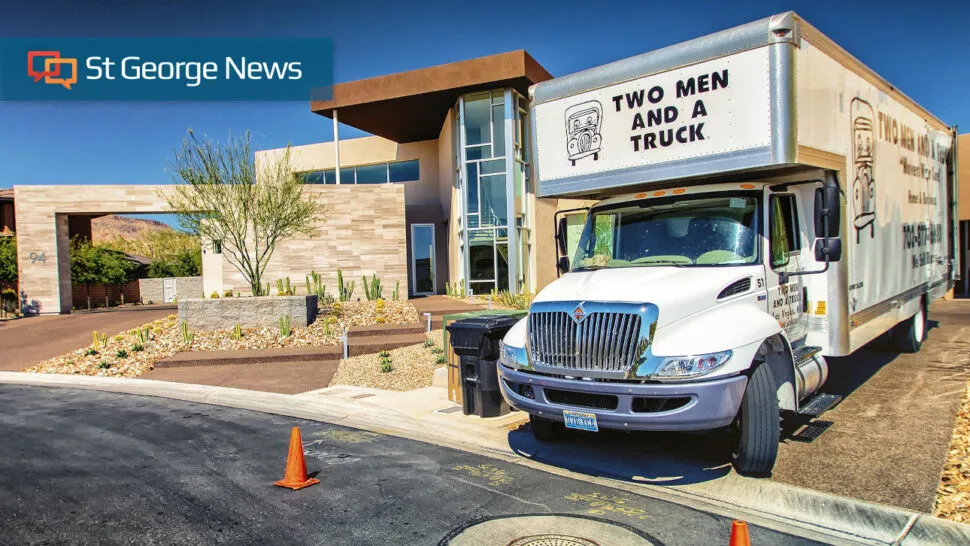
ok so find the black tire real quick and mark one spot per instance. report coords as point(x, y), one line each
point(546, 430)
point(756, 428)
point(908, 335)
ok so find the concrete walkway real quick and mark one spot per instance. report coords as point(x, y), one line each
point(27, 341)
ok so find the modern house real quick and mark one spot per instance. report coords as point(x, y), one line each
point(455, 137)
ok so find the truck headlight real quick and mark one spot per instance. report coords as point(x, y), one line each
point(513, 357)
point(691, 366)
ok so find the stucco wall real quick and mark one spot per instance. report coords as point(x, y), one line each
point(963, 175)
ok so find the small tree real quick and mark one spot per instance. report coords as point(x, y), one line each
point(8, 259)
point(224, 196)
point(83, 265)
point(8, 274)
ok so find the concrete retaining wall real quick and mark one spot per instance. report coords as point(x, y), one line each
point(185, 287)
point(225, 313)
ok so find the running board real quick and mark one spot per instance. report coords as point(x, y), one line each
point(819, 404)
point(804, 353)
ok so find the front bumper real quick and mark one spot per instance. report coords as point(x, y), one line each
point(700, 405)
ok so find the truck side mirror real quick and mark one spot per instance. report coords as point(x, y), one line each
point(827, 207)
point(561, 236)
point(562, 264)
point(828, 250)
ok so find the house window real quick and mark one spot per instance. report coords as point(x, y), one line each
point(380, 173)
point(217, 246)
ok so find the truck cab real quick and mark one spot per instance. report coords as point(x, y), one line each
point(673, 301)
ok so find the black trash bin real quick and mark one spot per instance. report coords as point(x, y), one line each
point(476, 342)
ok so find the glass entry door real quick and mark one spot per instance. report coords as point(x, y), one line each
point(422, 259)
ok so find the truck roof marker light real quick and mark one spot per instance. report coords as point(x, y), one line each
point(747, 186)
point(658, 193)
point(639, 196)
point(679, 191)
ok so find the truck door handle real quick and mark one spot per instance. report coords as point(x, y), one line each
point(804, 299)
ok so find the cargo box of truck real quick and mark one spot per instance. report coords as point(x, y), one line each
point(765, 201)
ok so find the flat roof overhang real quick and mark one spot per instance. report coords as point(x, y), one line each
point(412, 106)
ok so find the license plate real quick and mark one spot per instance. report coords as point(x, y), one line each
point(580, 420)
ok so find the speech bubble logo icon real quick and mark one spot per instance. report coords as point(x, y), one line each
point(32, 56)
point(66, 82)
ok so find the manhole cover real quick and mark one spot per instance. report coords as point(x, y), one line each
point(552, 540)
point(546, 530)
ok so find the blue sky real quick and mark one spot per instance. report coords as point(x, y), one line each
point(921, 48)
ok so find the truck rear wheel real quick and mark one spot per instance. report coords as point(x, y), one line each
point(546, 430)
point(908, 335)
point(756, 428)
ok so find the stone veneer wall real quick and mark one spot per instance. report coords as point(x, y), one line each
point(185, 287)
point(226, 313)
point(364, 233)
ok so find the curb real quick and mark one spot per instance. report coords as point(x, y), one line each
point(811, 514)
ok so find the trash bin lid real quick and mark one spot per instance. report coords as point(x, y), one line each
point(468, 333)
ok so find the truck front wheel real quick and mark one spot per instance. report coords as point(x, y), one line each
point(908, 335)
point(756, 428)
point(546, 430)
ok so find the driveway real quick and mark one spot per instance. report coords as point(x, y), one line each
point(91, 467)
point(29, 340)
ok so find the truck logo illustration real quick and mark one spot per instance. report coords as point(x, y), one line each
point(863, 152)
point(583, 137)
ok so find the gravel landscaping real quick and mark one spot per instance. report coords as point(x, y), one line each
point(412, 367)
point(953, 495)
point(128, 356)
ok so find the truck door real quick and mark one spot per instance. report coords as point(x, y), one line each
point(786, 293)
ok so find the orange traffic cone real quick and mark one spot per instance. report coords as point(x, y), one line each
point(296, 476)
point(739, 534)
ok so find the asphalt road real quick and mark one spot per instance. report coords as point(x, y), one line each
point(90, 467)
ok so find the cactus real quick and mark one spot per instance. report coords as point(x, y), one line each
point(308, 291)
point(236, 332)
point(284, 324)
point(345, 291)
point(214, 295)
point(448, 288)
point(143, 335)
point(397, 293)
point(373, 290)
point(337, 308)
point(97, 338)
point(187, 336)
point(386, 366)
point(227, 294)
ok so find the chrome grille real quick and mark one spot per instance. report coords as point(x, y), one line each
point(602, 341)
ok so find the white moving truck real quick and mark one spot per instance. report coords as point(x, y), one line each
point(765, 201)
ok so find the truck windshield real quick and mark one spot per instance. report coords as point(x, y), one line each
point(704, 230)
